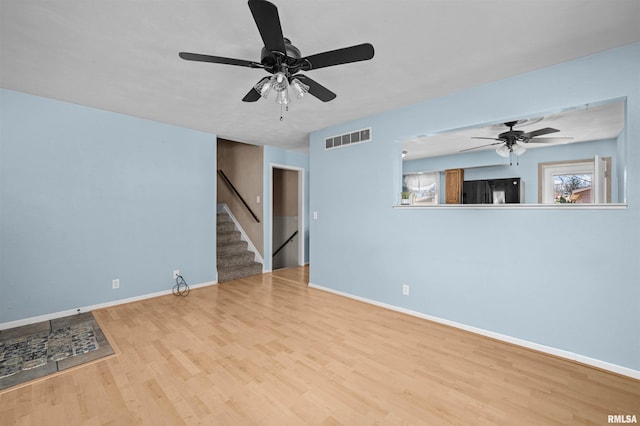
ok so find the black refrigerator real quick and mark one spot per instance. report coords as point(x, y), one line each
point(492, 191)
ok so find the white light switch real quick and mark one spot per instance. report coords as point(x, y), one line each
point(315, 215)
point(258, 199)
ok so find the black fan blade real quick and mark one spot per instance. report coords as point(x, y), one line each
point(491, 139)
point(268, 21)
point(360, 52)
point(547, 140)
point(218, 60)
point(316, 89)
point(481, 146)
point(253, 94)
point(539, 132)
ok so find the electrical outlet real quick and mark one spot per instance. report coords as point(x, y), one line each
point(176, 272)
point(115, 283)
point(405, 289)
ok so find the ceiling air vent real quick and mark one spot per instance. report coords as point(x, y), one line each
point(359, 136)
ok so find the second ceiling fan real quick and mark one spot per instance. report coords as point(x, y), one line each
point(284, 61)
point(509, 139)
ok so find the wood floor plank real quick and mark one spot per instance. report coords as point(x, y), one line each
point(270, 350)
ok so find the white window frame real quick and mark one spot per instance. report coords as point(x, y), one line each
point(436, 176)
point(546, 172)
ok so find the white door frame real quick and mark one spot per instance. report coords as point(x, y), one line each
point(301, 213)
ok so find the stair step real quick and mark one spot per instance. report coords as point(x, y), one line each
point(225, 226)
point(235, 259)
point(228, 237)
point(230, 274)
point(230, 248)
point(223, 218)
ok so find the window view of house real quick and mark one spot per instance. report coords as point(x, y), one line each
point(572, 188)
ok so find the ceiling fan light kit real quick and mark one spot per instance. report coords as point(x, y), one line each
point(505, 151)
point(280, 84)
point(284, 61)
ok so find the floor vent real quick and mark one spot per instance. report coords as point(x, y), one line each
point(359, 136)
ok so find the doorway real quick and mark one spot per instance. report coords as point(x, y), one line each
point(287, 217)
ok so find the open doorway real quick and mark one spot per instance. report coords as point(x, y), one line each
point(287, 212)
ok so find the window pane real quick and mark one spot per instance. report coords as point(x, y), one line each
point(572, 188)
point(424, 187)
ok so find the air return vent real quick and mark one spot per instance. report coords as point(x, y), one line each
point(359, 136)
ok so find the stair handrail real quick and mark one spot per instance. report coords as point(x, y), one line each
point(285, 243)
point(235, 191)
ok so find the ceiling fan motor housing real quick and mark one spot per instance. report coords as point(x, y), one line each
point(511, 136)
point(267, 57)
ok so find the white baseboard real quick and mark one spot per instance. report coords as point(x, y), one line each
point(625, 371)
point(205, 284)
point(68, 312)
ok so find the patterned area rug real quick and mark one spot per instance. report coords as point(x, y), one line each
point(36, 350)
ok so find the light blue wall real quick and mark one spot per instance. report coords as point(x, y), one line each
point(283, 158)
point(525, 167)
point(88, 196)
point(562, 278)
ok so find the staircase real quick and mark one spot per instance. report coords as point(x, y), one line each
point(234, 260)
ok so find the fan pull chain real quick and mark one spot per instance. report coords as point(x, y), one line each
point(286, 108)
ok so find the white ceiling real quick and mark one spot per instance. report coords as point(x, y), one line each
point(122, 56)
point(583, 123)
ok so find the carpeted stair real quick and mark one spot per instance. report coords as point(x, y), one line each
point(234, 260)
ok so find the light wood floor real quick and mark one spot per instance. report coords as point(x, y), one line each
point(269, 350)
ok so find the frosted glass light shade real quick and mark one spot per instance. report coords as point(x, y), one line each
point(279, 82)
point(299, 87)
point(518, 149)
point(264, 87)
point(503, 151)
point(282, 97)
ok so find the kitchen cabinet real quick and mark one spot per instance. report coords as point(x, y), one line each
point(453, 185)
